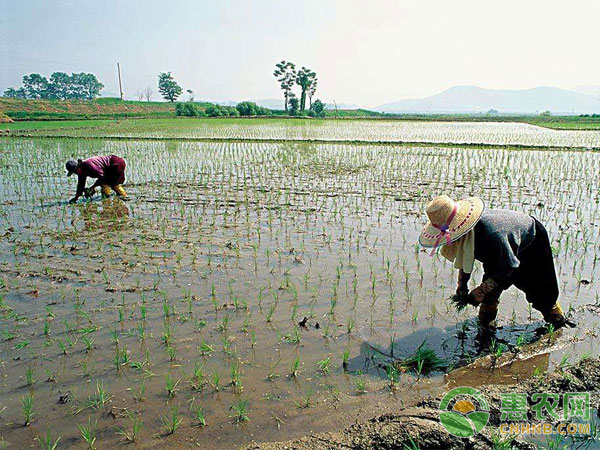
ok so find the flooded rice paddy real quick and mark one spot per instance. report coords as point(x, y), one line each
point(389, 131)
point(256, 291)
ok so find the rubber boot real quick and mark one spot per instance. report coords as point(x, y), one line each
point(105, 190)
point(120, 191)
point(556, 317)
point(488, 310)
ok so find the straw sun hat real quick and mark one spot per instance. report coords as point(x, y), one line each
point(449, 220)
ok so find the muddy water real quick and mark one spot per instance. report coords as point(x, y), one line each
point(220, 256)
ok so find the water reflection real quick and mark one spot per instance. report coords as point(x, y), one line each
point(111, 214)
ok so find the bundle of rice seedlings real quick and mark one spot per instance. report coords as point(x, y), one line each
point(460, 301)
point(424, 360)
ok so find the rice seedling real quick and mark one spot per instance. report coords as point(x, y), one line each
point(393, 375)
point(99, 398)
point(271, 311)
point(171, 422)
point(293, 337)
point(295, 368)
point(132, 433)
point(170, 385)
point(47, 442)
point(240, 411)
point(360, 383)
point(51, 377)
point(138, 394)
point(564, 362)
point(197, 378)
point(27, 409)
point(171, 352)
point(305, 401)
point(199, 415)
point(88, 343)
point(46, 328)
point(120, 358)
point(345, 358)
point(215, 379)
point(325, 365)
point(88, 434)
point(205, 349)
point(236, 376)
point(350, 324)
point(29, 376)
point(550, 330)
point(224, 324)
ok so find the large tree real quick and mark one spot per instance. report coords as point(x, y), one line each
point(318, 108)
point(168, 87)
point(15, 93)
point(312, 88)
point(35, 85)
point(285, 72)
point(60, 86)
point(294, 103)
point(85, 86)
point(305, 79)
point(148, 93)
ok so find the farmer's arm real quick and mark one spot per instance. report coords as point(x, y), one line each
point(81, 179)
point(463, 282)
point(494, 250)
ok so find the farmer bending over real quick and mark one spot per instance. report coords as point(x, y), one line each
point(513, 247)
point(109, 171)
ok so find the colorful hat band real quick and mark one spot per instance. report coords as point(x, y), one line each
point(444, 233)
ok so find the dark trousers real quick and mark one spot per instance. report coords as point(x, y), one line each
point(536, 275)
point(115, 173)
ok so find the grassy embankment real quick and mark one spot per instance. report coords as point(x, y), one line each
point(31, 114)
point(101, 108)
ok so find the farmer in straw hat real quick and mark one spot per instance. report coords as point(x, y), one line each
point(513, 247)
point(109, 171)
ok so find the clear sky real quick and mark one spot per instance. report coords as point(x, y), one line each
point(365, 52)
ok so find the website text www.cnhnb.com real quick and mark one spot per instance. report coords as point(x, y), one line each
point(544, 428)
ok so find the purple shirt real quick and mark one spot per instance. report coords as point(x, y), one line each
point(94, 167)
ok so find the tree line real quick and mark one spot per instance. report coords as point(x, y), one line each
point(85, 86)
point(190, 109)
point(60, 86)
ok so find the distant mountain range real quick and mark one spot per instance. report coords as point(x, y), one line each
point(468, 99)
point(587, 89)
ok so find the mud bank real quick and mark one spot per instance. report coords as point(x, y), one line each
point(419, 426)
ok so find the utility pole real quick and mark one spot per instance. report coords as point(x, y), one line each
point(120, 86)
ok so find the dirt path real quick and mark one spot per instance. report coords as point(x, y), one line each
point(419, 426)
